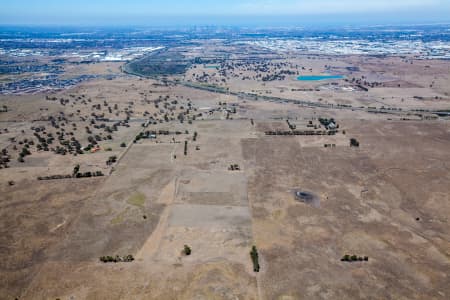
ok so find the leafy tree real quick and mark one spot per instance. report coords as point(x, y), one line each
point(354, 142)
point(187, 250)
point(76, 169)
point(345, 258)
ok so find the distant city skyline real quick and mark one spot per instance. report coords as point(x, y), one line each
point(231, 12)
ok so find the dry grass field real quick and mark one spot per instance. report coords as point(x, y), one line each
point(387, 200)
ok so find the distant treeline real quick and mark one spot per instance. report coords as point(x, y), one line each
point(302, 132)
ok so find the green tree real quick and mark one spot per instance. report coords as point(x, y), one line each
point(76, 170)
point(187, 250)
point(354, 142)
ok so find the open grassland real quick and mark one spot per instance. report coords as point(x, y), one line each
point(218, 172)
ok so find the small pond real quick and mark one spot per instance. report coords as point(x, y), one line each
point(319, 77)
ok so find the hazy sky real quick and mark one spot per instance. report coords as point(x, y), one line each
point(141, 12)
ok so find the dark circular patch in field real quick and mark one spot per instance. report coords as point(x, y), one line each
point(307, 197)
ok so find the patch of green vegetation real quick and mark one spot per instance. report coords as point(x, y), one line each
point(119, 218)
point(138, 199)
point(159, 63)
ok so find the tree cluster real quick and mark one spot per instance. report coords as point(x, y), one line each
point(116, 259)
point(187, 250)
point(255, 259)
point(301, 132)
point(354, 143)
point(353, 258)
point(4, 159)
point(234, 167)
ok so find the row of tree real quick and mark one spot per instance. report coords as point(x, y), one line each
point(255, 259)
point(353, 258)
point(302, 132)
point(117, 258)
